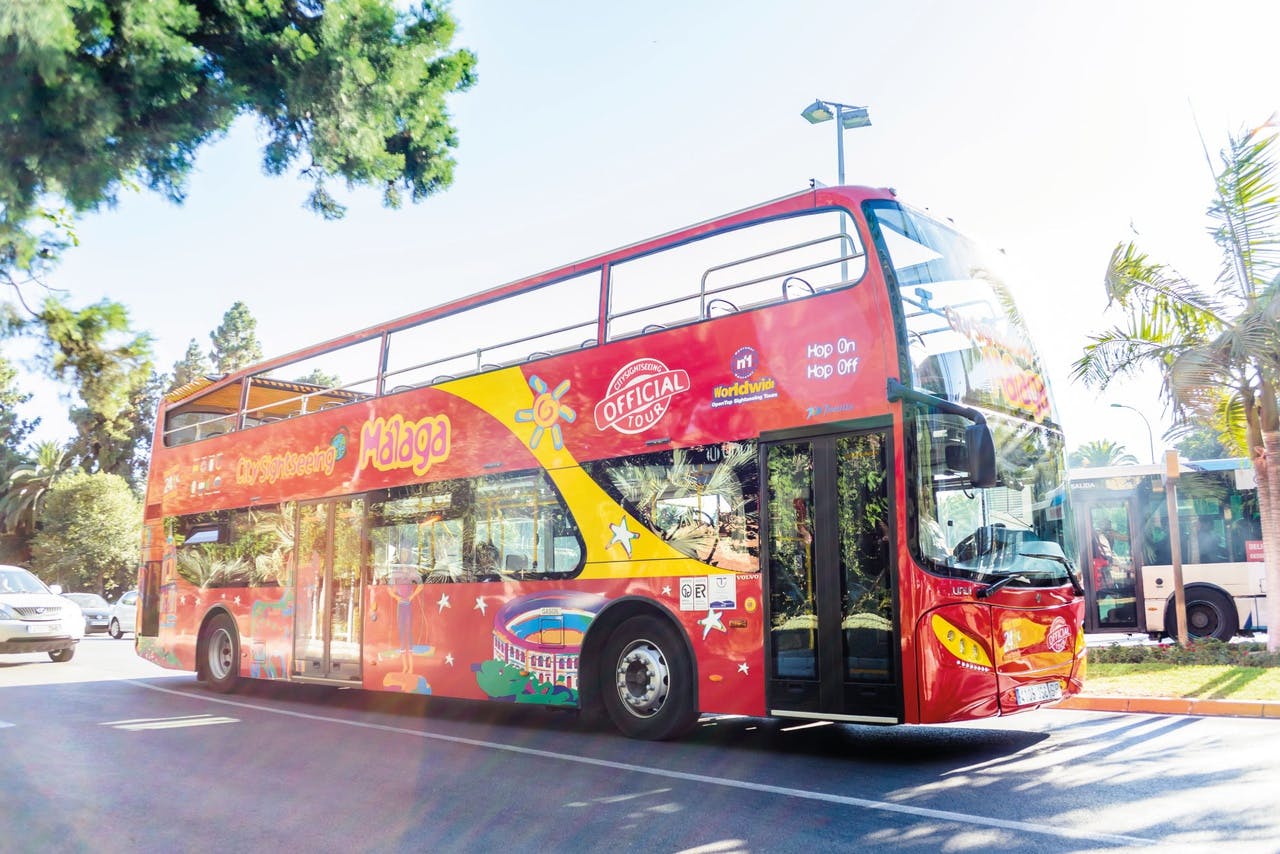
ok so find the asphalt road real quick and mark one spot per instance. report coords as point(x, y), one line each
point(110, 753)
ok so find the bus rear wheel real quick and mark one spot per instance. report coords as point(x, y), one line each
point(1210, 614)
point(647, 680)
point(221, 662)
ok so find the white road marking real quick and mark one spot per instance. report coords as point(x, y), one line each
point(724, 782)
point(170, 723)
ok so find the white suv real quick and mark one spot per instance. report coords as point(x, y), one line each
point(34, 618)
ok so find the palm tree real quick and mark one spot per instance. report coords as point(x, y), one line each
point(1099, 453)
point(1217, 348)
point(27, 484)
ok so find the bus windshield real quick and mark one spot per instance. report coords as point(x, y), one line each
point(1016, 527)
point(967, 341)
point(968, 344)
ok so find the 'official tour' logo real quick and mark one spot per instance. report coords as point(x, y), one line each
point(1059, 635)
point(639, 395)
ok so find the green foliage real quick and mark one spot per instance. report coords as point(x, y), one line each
point(102, 95)
point(235, 341)
point(321, 379)
point(13, 430)
point(1100, 453)
point(108, 364)
point(1202, 442)
point(193, 365)
point(91, 525)
point(119, 445)
point(1197, 652)
point(22, 490)
point(94, 350)
point(1207, 342)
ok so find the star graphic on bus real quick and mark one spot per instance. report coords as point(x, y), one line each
point(547, 411)
point(480, 605)
point(448, 659)
point(711, 621)
point(621, 536)
point(744, 669)
point(443, 602)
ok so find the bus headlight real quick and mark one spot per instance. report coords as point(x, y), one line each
point(966, 649)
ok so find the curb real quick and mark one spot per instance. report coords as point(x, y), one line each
point(1173, 706)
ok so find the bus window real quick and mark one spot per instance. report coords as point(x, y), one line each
point(523, 529)
point(746, 267)
point(495, 333)
point(248, 547)
point(203, 416)
point(980, 534)
point(702, 501)
point(489, 528)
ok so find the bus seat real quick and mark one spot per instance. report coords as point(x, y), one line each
point(722, 304)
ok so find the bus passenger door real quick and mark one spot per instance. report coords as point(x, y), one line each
point(327, 630)
point(1112, 565)
point(831, 646)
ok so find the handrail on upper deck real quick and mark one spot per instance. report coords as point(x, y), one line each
point(708, 298)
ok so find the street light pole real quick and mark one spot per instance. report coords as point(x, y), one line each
point(847, 117)
point(1151, 444)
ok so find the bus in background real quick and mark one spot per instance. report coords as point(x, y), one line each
point(1124, 535)
point(799, 460)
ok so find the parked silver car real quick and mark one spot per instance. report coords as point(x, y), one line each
point(34, 618)
point(123, 614)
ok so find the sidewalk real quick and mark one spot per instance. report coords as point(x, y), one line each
point(1164, 705)
point(1171, 706)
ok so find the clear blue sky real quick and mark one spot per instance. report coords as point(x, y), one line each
point(1046, 129)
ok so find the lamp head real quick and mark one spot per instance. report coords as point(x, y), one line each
point(854, 117)
point(817, 112)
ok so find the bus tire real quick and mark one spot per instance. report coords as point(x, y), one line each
point(220, 662)
point(1210, 614)
point(646, 680)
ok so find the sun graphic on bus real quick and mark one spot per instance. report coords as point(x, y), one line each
point(547, 411)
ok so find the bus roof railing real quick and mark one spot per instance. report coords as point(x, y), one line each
point(1145, 469)
point(785, 206)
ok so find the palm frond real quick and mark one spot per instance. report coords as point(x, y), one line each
point(1133, 280)
point(1246, 214)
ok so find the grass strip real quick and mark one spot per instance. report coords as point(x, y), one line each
point(1200, 682)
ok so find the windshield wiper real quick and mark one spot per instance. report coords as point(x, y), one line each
point(993, 587)
point(1066, 564)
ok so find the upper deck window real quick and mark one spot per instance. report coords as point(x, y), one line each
point(728, 271)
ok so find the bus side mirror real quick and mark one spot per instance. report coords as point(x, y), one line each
point(981, 448)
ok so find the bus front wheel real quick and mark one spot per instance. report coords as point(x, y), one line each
point(647, 680)
point(1210, 614)
point(221, 664)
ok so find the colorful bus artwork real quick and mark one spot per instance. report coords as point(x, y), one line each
point(799, 461)
point(1125, 540)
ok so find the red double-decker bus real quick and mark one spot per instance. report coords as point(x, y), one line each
point(800, 460)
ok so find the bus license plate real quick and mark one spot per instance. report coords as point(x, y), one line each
point(1040, 693)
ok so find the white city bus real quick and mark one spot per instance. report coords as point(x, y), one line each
point(1123, 529)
